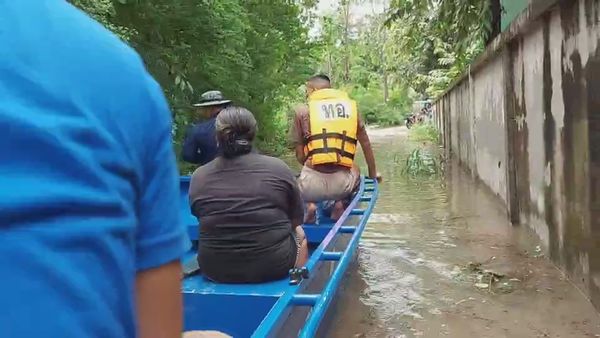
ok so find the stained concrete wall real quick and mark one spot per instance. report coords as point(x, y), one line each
point(526, 122)
point(478, 138)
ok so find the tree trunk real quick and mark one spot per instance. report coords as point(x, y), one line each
point(330, 66)
point(346, 9)
point(495, 20)
point(386, 94)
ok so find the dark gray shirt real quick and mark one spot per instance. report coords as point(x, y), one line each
point(246, 207)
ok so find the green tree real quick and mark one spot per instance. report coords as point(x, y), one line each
point(256, 52)
point(355, 53)
point(259, 52)
point(104, 12)
point(438, 39)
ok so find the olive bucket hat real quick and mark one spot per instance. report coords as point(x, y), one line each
point(211, 98)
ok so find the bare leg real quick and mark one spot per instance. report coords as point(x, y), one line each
point(337, 211)
point(356, 175)
point(339, 207)
point(303, 250)
point(311, 213)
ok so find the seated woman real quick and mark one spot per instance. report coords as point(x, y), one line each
point(249, 208)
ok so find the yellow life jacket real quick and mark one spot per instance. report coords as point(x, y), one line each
point(333, 126)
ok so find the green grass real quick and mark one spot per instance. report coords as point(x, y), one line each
point(424, 133)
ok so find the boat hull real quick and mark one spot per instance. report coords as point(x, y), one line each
point(278, 309)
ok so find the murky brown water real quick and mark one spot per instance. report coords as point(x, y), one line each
point(418, 266)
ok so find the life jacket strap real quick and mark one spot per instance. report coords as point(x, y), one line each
point(325, 135)
point(340, 152)
point(344, 140)
point(325, 147)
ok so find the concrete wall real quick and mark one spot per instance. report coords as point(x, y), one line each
point(526, 121)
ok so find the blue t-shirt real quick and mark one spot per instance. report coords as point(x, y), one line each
point(88, 182)
point(200, 144)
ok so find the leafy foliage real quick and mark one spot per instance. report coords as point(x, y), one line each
point(414, 51)
point(354, 55)
point(104, 12)
point(375, 110)
point(257, 53)
point(424, 133)
point(437, 39)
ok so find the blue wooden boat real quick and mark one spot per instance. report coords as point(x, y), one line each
point(280, 308)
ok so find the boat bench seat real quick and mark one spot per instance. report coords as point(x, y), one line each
point(198, 284)
point(201, 285)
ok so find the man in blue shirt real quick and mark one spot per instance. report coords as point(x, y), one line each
point(90, 234)
point(200, 144)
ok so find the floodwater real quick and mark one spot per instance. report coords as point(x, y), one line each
point(427, 256)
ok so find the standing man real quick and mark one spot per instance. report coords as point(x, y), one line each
point(200, 143)
point(325, 136)
point(90, 232)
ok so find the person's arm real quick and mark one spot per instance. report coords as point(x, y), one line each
point(161, 238)
point(158, 301)
point(189, 151)
point(297, 135)
point(365, 144)
point(296, 204)
point(300, 156)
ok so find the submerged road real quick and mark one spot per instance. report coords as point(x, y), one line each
point(427, 256)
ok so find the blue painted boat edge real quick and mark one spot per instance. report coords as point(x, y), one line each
point(320, 302)
point(320, 308)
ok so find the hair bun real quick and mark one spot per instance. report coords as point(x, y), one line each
point(236, 128)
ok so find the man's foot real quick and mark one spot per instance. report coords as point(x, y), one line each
point(337, 211)
point(311, 213)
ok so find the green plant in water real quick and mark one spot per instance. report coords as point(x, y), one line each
point(421, 162)
point(424, 133)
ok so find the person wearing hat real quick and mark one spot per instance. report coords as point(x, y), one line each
point(200, 144)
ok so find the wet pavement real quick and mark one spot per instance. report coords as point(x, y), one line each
point(439, 259)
